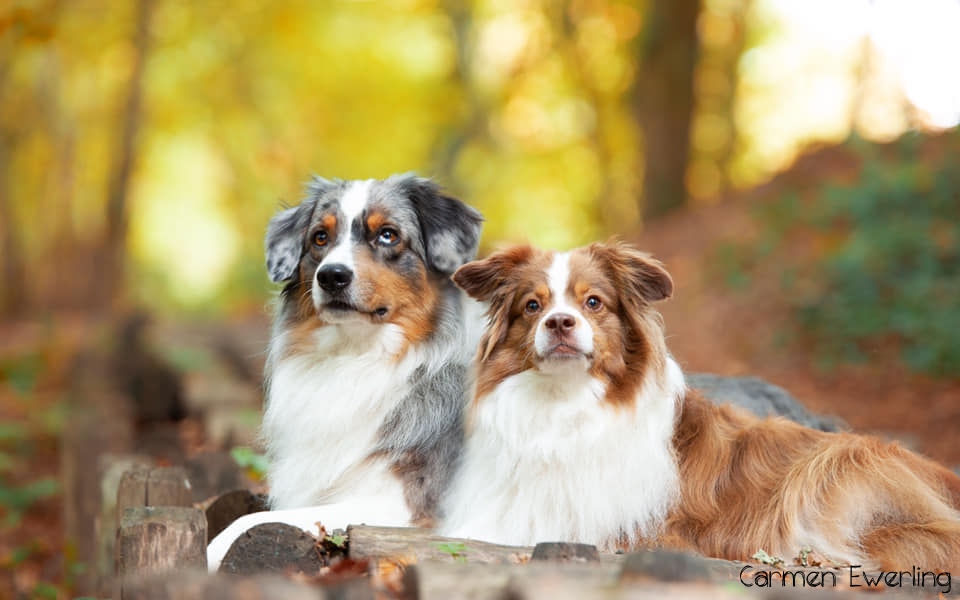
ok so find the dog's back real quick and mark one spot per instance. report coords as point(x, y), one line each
point(750, 483)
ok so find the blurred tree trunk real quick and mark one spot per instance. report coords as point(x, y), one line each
point(472, 126)
point(118, 187)
point(715, 140)
point(664, 102)
point(727, 61)
point(13, 295)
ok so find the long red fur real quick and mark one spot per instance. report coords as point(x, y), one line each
point(746, 483)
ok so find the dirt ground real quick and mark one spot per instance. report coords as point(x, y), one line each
point(714, 328)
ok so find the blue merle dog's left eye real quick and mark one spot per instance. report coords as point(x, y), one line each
point(388, 237)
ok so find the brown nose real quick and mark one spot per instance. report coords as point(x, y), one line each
point(561, 323)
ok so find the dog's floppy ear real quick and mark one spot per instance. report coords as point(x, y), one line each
point(487, 280)
point(451, 229)
point(284, 240)
point(285, 234)
point(482, 279)
point(638, 274)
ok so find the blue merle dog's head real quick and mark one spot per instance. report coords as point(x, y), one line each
point(375, 251)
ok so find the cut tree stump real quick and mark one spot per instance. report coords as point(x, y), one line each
point(231, 506)
point(112, 468)
point(160, 539)
point(273, 548)
point(156, 486)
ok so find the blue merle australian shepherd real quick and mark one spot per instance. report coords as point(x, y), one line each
point(366, 370)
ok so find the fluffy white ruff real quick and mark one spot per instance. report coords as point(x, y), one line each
point(546, 460)
point(323, 411)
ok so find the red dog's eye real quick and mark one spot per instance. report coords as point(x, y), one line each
point(320, 238)
point(594, 303)
point(532, 307)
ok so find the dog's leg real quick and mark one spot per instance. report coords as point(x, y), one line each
point(932, 546)
point(368, 510)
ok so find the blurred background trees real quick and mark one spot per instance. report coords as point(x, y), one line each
point(144, 145)
point(795, 163)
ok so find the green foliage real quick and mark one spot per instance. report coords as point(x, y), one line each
point(46, 590)
point(256, 464)
point(21, 372)
point(456, 550)
point(16, 499)
point(886, 268)
point(19, 440)
point(762, 556)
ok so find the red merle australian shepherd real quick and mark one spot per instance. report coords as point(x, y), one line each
point(581, 429)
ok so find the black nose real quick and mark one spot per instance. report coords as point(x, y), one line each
point(333, 278)
point(560, 323)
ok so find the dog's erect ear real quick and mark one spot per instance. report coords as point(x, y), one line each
point(483, 279)
point(637, 273)
point(284, 240)
point(451, 229)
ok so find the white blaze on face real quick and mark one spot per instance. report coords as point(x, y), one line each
point(558, 280)
point(352, 203)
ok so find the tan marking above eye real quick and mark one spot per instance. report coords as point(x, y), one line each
point(375, 221)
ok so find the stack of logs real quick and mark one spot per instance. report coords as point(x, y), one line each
point(161, 536)
point(138, 512)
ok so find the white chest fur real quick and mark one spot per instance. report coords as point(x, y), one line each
point(546, 460)
point(323, 412)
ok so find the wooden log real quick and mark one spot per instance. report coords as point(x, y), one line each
point(443, 580)
point(111, 468)
point(273, 547)
point(672, 566)
point(231, 506)
point(410, 544)
point(193, 585)
point(565, 552)
point(440, 580)
point(157, 486)
point(92, 431)
point(160, 539)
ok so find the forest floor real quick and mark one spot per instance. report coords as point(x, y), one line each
point(714, 327)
